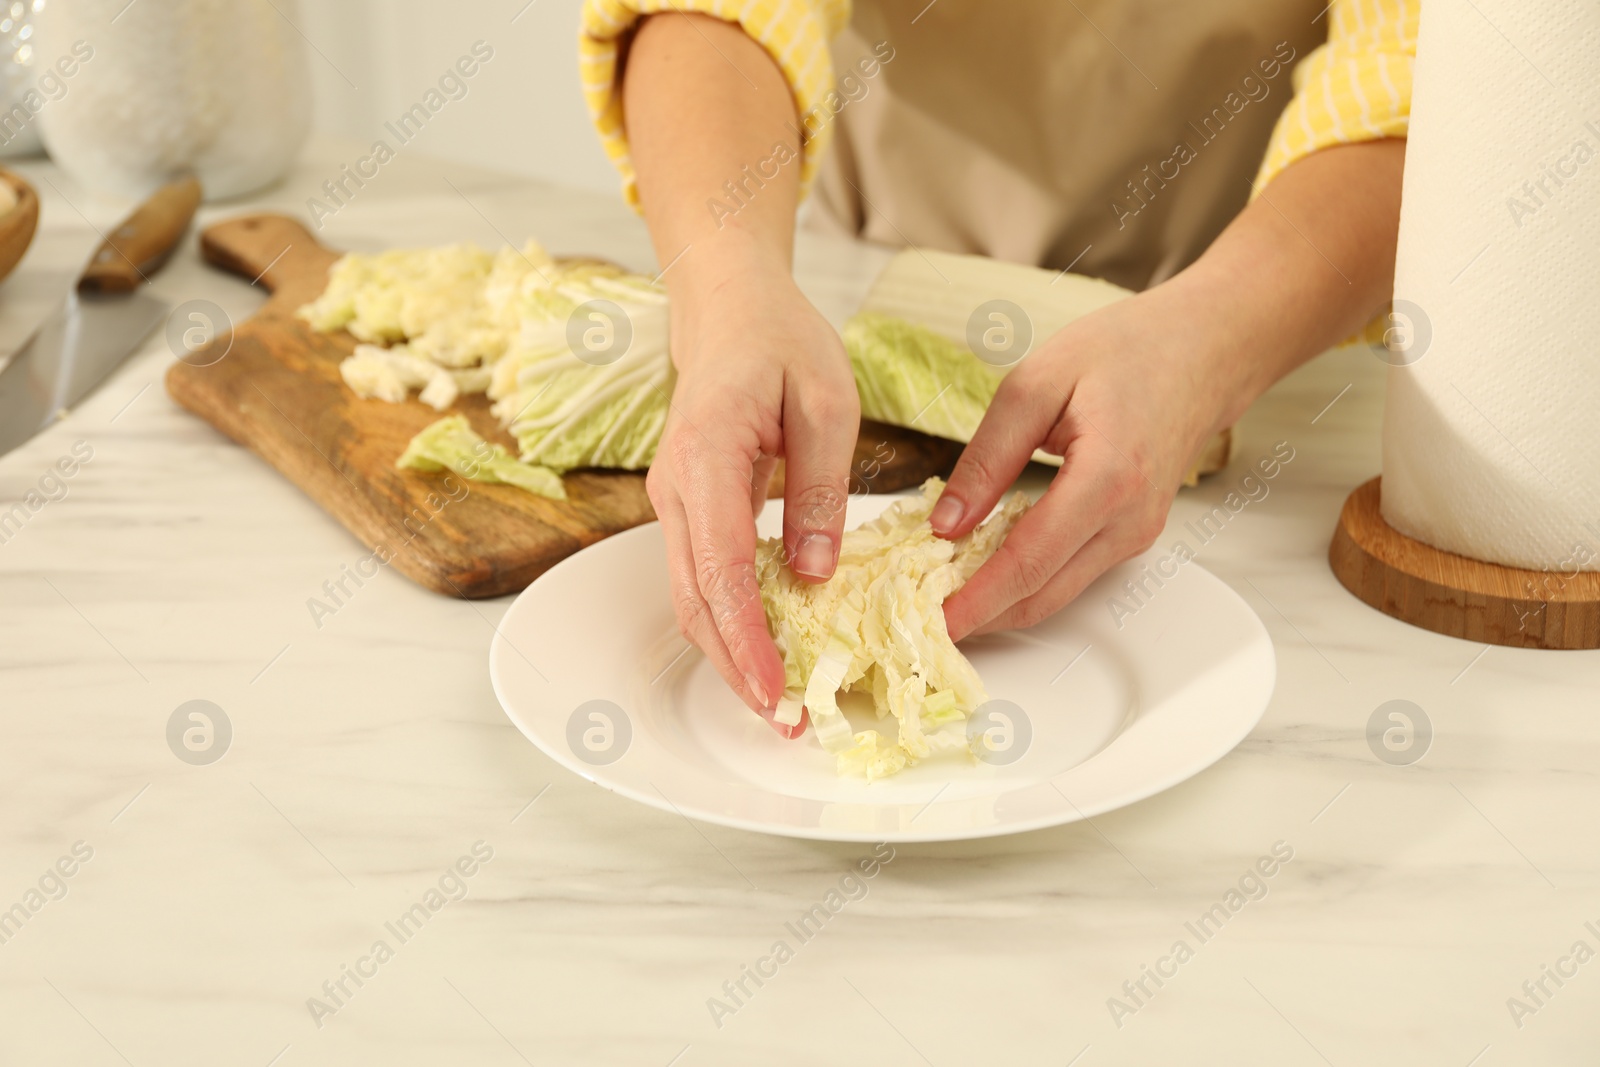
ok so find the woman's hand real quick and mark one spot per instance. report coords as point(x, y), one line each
point(761, 375)
point(1127, 395)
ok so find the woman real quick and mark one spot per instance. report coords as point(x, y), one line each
point(1117, 137)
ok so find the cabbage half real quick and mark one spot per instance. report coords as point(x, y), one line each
point(567, 413)
point(910, 376)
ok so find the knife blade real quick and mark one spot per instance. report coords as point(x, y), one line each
point(104, 318)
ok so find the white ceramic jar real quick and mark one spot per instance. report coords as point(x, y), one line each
point(159, 86)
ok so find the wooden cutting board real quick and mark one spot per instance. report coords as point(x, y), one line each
point(273, 385)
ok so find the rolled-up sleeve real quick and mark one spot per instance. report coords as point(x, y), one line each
point(1357, 87)
point(794, 32)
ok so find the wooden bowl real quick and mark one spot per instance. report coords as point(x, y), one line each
point(17, 225)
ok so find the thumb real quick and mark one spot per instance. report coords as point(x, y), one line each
point(819, 440)
point(1018, 421)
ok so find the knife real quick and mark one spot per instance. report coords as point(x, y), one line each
point(104, 318)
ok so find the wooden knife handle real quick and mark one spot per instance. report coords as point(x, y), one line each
point(142, 242)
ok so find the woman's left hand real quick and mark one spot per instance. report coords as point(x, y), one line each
point(1127, 395)
point(1130, 393)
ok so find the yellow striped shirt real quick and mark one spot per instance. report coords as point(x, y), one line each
point(1357, 87)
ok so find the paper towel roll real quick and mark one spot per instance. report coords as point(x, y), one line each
point(1491, 438)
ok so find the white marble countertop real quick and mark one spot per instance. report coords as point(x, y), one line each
point(370, 755)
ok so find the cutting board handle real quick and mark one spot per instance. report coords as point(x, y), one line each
point(268, 250)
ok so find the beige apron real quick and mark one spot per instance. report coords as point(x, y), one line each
point(1116, 136)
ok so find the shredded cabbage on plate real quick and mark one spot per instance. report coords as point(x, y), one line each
point(877, 627)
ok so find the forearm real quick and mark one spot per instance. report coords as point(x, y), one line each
point(715, 145)
point(1307, 264)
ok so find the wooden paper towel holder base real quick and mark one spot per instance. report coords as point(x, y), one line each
point(1454, 595)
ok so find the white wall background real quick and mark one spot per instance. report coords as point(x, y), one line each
point(524, 113)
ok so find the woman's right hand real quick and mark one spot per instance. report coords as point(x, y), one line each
point(761, 375)
point(714, 138)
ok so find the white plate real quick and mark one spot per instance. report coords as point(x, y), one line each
point(1150, 703)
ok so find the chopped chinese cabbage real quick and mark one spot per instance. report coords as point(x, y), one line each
point(459, 320)
point(399, 294)
point(390, 373)
point(451, 444)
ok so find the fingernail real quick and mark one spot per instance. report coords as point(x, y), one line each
point(758, 691)
point(815, 557)
point(946, 514)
